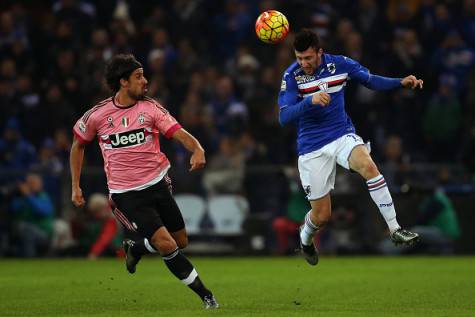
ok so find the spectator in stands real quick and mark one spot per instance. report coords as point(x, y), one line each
point(96, 232)
point(286, 227)
point(15, 151)
point(437, 223)
point(225, 171)
point(456, 58)
point(103, 232)
point(229, 113)
point(443, 120)
point(468, 153)
point(32, 216)
point(395, 162)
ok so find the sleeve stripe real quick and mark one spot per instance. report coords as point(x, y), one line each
point(80, 138)
point(172, 130)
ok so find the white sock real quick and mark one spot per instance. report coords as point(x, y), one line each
point(382, 198)
point(308, 231)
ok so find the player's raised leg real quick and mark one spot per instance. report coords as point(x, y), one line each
point(361, 162)
point(180, 266)
point(315, 219)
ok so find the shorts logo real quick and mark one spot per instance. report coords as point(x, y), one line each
point(82, 126)
point(308, 190)
point(354, 137)
point(125, 139)
point(386, 205)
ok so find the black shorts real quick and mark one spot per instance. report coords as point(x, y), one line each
point(145, 211)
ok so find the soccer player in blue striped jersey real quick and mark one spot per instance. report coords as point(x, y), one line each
point(312, 97)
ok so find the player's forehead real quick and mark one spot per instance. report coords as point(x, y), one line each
point(138, 71)
point(309, 52)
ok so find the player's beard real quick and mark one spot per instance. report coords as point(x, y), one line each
point(137, 96)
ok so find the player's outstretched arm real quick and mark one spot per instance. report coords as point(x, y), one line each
point(75, 161)
point(375, 82)
point(197, 160)
point(412, 82)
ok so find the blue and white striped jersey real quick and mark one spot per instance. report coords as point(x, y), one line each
point(317, 125)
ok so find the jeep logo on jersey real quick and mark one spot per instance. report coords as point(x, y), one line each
point(125, 139)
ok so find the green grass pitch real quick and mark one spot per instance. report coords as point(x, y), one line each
point(342, 286)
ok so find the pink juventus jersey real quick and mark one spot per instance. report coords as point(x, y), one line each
point(129, 141)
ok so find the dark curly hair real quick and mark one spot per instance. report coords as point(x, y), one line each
point(118, 67)
point(305, 39)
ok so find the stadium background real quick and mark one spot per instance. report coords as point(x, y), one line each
point(204, 63)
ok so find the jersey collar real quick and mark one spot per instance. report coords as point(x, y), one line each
point(118, 105)
point(321, 67)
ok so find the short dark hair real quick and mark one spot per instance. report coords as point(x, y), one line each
point(118, 67)
point(305, 39)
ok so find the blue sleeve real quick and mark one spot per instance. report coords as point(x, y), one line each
point(289, 108)
point(362, 75)
point(41, 204)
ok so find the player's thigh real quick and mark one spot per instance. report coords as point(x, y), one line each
point(168, 209)
point(136, 211)
point(317, 174)
point(348, 146)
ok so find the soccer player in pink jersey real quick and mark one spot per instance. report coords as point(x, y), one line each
point(127, 126)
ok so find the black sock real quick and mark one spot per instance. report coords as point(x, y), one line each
point(179, 265)
point(139, 248)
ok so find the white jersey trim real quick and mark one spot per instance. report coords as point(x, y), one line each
point(314, 83)
point(142, 187)
point(329, 90)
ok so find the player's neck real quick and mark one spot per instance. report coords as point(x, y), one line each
point(123, 99)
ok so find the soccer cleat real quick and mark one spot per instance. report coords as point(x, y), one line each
point(310, 252)
point(130, 260)
point(402, 236)
point(210, 302)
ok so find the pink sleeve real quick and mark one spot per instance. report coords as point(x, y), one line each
point(165, 122)
point(85, 129)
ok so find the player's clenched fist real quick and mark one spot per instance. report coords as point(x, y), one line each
point(412, 82)
point(77, 197)
point(321, 98)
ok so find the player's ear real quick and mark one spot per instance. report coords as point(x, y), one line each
point(123, 82)
point(320, 51)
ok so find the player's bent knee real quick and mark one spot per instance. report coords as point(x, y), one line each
point(165, 245)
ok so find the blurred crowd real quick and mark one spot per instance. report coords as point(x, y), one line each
point(206, 66)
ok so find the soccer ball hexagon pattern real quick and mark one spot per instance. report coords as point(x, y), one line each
point(272, 27)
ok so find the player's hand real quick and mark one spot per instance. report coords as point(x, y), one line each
point(77, 197)
point(321, 98)
point(412, 82)
point(197, 160)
